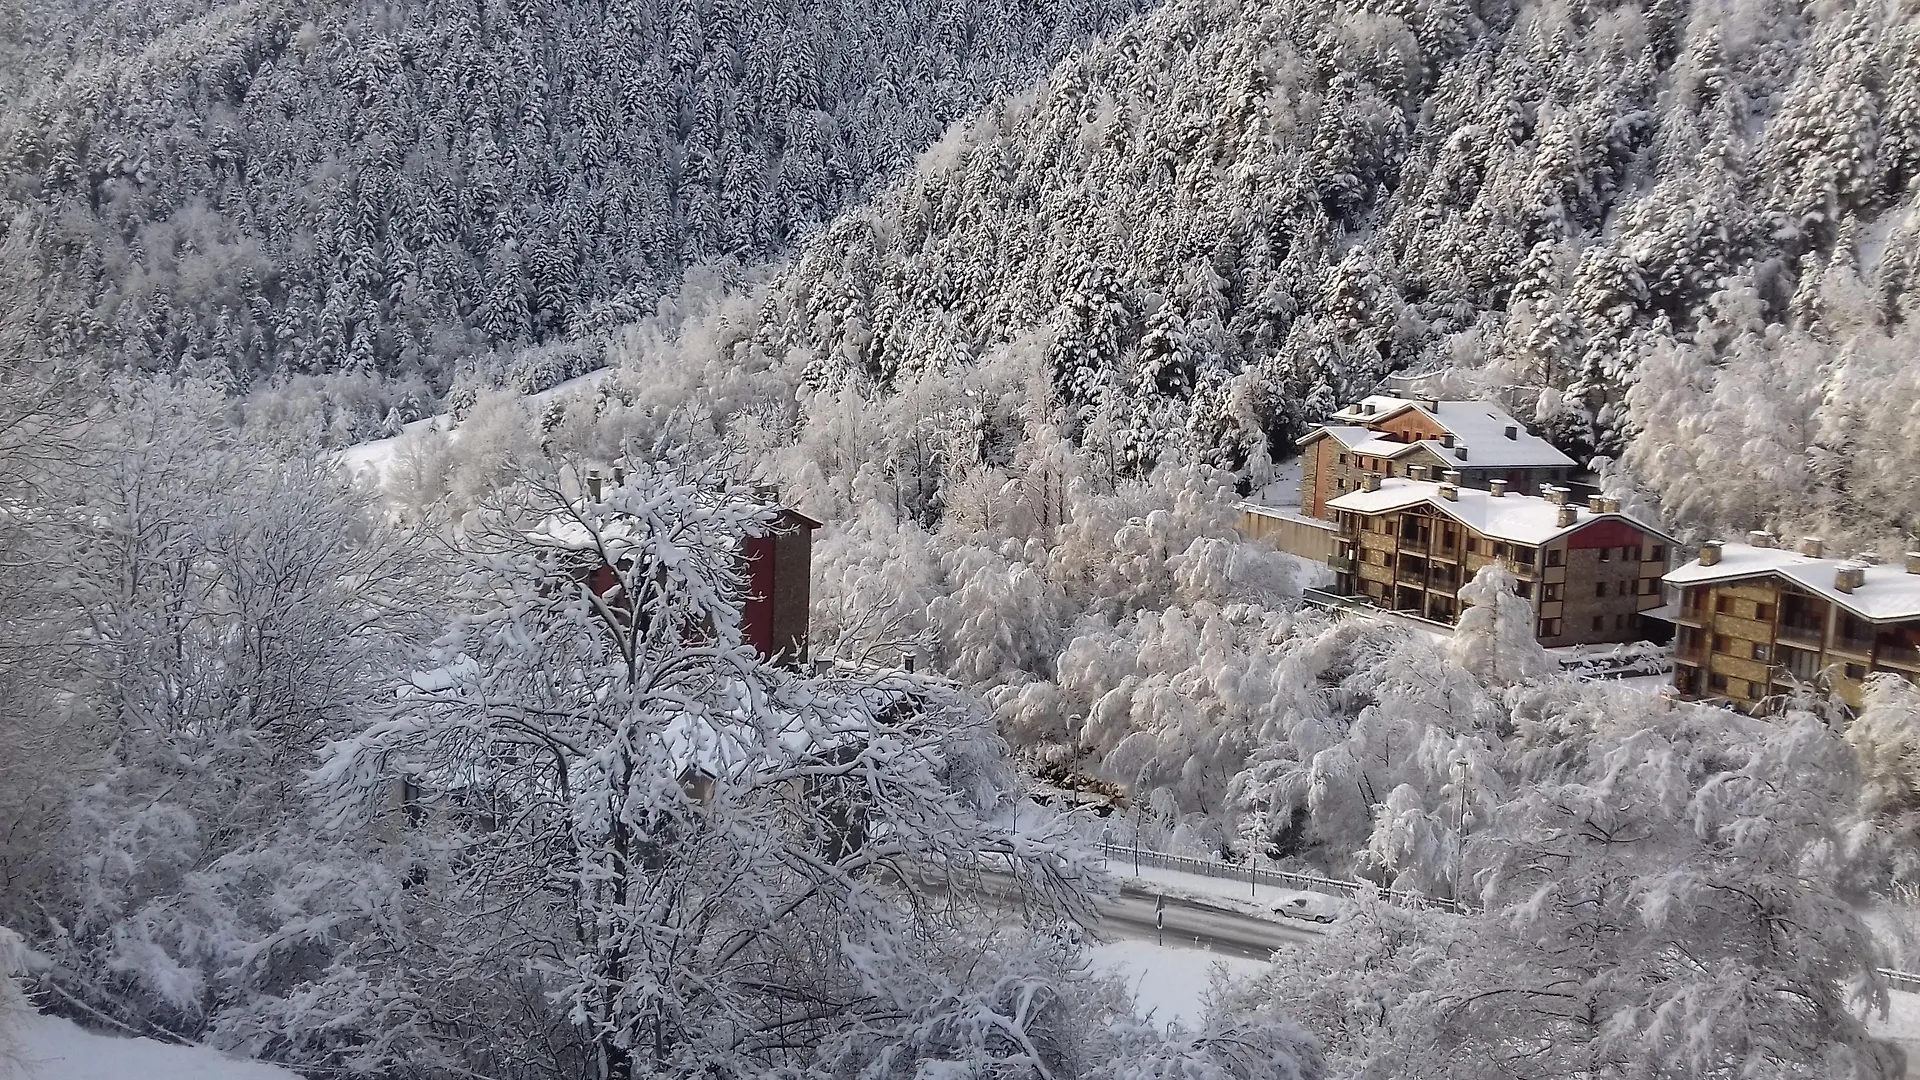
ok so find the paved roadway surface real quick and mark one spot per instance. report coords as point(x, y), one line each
point(1189, 923)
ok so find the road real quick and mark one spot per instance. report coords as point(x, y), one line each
point(1191, 924)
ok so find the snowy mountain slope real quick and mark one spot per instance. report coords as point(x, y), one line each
point(1227, 218)
point(257, 187)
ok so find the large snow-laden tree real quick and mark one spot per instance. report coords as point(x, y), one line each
point(1494, 638)
point(225, 611)
point(716, 867)
point(1680, 895)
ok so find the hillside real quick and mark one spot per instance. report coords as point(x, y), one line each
point(1228, 217)
point(252, 188)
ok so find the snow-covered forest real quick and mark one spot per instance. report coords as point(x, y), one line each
point(337, 761)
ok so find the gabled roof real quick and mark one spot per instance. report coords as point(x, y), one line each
point(1349, 435)
point(1521, 519)
point(1480, 426)
point(1887, 593)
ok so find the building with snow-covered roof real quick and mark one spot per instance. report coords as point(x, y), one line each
point(1757, 620)
point(1408, 545)
point(1392, 435)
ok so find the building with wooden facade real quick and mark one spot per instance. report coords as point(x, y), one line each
point(1407, 545)
point(1757, 620)
point(1393, 436)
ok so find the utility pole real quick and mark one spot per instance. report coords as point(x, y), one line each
point(1160, 918)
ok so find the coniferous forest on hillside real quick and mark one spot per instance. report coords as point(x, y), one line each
point(389, 397)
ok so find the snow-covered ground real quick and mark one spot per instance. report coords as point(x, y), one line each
point(1169, 983)
point(53, 1049)
point(1283, 491)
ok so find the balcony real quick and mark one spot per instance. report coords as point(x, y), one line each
point(1808, 634)
point(1897, 653)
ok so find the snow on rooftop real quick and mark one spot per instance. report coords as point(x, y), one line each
point(1522, 519)
point(1886, 594)
point(1480, 426)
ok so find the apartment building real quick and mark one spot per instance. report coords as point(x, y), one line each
point(1756, 620)
point(1393, 436)
point(1408, 544)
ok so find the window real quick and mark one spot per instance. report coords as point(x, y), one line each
point(1343, 459)
point(1649, 586)
point(1550, 591)
point(1723, 605)
point(1549, 628)
point(1658, 554)
point(1606, 554)
point(1759, 652)
point(1556, 557)
point(1856, 671)
point(1524, 555)
point(1599, 622)
point(1499, 551)
point(1717, 683)
point(1722, 644)
point(1523, 589)
point(1599, 588)
point(1763, 612)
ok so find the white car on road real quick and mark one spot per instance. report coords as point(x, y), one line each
point(1311, 908)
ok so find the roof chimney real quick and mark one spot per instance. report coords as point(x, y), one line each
point(1460, 451)
point(908, 659)
point(1567, 516)
point(1446, 440)
point(1710, 553)
point(1497, 489)
point(1451, 476)
point(1417, 472)
point(1609, 505)
point(1849, 577)
point(1450, 492)
point(1512, 432)
point(1596, 504)
point(1432, 404)
point(593, 484)
point(1370, 482)
point(1913, 562)
point(1555, 495)
point(1811, 546)
point(1760, 538)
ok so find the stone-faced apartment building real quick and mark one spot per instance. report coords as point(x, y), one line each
point(1391, 436)
point(1408, 544)
point(1756, 620)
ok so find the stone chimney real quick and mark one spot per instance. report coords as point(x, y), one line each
point(1596, 504)
point(1567, 516)
point(1812, 547)
point(1446, 440)
point(1460, 451)
point(1609, 505)
point(1451, 476)
point(1760, 538)
point(1849, 577)
point(908, 659)
point(1370, 482)
point(1913, 562)
point(1512, 432)
point(1555, 495)
point(1417, 472)
point(1432, 404)
point(1496, 489)
point(1450, 492)
point(1710, 553)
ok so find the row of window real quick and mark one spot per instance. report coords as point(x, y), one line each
point(1552, 628)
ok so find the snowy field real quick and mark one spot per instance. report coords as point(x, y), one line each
point(1170, 984)
point(54, 1049)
